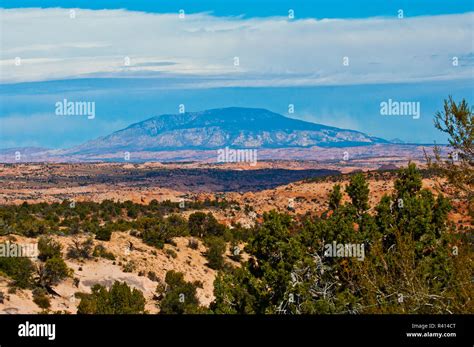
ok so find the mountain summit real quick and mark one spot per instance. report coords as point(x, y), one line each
point(233, 127)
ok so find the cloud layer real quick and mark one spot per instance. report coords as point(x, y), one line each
point(200, 49)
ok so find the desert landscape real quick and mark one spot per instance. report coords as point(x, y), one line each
point(239, 211)
point(236, 194)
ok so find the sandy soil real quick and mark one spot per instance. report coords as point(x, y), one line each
point(105, 272)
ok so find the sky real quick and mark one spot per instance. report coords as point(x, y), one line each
point(265, 8)
point(335, 61)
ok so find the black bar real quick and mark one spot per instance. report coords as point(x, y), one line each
point(154, 330)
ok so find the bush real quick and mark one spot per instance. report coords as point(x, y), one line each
point(171, 253)
point(179, 295)
point(335, 197)
point(18, 269)
point(48, 248)
point(157, 232)
point(120, 299)
point(81, 250)
point(178, 225)
point(152, 276)
point(100, 251)
point(129, 267)
point(52, 272)
point(104, 233)
point(358, 190)
point(155, 236)
point(40, 298)
point(216, 248)
point(201, 224)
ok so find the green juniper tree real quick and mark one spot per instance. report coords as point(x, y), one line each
point(335, 197)
point(456, 120)
point(409, 265)
point(358, 190)
point(179, 296)
point(120, 299)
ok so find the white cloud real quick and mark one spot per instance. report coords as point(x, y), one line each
point(199, 50)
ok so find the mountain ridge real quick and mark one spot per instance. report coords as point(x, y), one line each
point(222, 127)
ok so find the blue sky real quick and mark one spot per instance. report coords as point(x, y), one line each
point(265, 8)
point(137, 59)
point(31, 122)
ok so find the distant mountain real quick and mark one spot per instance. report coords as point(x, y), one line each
point(397, 140)
point(217, 128)
point(16, 154)
point(23, 150)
